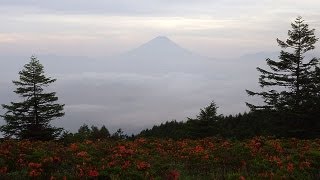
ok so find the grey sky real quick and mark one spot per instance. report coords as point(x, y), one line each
point(107, 27)
point(79, 41)
point(154, 83)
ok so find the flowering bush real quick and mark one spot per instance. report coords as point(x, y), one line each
point(209, 158)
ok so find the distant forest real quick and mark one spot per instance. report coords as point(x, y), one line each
point(290, 89)
point(291, 94)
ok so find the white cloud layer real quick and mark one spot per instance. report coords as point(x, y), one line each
point(130, 99)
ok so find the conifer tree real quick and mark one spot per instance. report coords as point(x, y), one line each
point(314, 100)
point(204, 125)
point(291, 82)
point(104, 132)
point(30, 118)
point(208, 113)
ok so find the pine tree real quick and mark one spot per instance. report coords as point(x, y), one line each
point(291, 80)
point(104, 132)
point(208, 113)
point(314, 100)
point(205, 123)
point(30, 118)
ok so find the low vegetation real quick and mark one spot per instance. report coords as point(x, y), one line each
point(208, 158)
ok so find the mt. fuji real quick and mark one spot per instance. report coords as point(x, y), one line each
point(155, 82)
point(161, 55)
point(162, 46)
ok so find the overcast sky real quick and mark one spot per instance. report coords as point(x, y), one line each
point(108, 27)
point(74, 39)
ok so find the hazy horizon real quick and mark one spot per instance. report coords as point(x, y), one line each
point(131, 65)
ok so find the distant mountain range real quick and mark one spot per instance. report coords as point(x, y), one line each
point(159, 46)
point(158, 55)
point(153, 83)
point(161, 55)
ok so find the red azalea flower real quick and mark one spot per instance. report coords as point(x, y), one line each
point(173, 175)
point(142, 165)
point(73, 147)
point(56, 159)
point(198, 149)
point(126, 165)
point(34, 165)
point(290, 167)
point(3, 170)
point(112, 163)
point(93, 173)
point(34, 173)
point(305, 164)
point(82, 154)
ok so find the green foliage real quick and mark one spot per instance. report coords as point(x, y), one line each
point(209, 113)
point(292, 83)
point(119, 134)
point(30, 118)
point(203, 126)
point(104, 132)
point(241, 126)
point(86, 133)
point(292, 77)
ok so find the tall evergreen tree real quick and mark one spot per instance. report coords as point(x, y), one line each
point(30, 118)
point(208, 113)
point(314, 102)
point(205, 123)
point(291, 79)
point(104, 132)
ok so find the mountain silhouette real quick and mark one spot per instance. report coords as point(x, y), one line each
point(161, 55)
point(162, 46)
point(156, 81)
